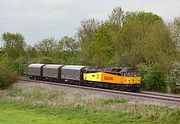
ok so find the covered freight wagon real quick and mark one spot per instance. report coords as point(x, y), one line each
point(72, 72)
point(52, 72)
point(35, 71)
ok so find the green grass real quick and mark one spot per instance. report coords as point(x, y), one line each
point(21, 113)
point(112, 100)
point(41, 104)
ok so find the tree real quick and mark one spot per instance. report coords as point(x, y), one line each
point(2, 53)
point(31, 52)
point(86, 38)
point(132, 38)
point(102, 45)
point(175, 31)
point(68, 44)
point(118, 16)
point(46, 46)
point(67, 50)
point(159, 47)
point(14, 44)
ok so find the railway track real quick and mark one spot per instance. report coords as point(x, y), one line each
point(143, 94)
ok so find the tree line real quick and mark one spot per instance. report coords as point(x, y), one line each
point(137, 39)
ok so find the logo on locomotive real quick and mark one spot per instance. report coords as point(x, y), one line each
point(108, 78)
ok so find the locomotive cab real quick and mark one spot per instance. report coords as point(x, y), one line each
point(133, 78)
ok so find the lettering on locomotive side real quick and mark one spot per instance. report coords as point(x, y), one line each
point(108, 78)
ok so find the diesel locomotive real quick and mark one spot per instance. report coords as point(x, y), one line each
point(117, 78)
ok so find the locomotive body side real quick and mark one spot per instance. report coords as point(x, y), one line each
point(105, 77)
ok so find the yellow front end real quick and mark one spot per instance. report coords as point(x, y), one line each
point(92, 76)
point(133, 80)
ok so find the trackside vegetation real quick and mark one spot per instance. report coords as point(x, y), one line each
point(126, 38)
point(7, 77)
point(43, 104)
point(153, 78)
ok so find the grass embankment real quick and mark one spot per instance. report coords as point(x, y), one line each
point(34, 103)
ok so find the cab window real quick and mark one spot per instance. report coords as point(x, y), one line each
point(132, 74)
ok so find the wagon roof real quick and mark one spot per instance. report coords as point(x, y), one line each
point(73, 67)
point(52, 66)
point(36, 65)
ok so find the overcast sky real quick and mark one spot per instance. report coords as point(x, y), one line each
point(39, 19)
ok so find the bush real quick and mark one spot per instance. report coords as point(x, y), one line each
point(175, 77)
point(7, 77)
point(153, 78)
point(16, 65)
point(46, 60)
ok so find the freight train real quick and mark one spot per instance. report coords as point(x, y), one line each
point(117, 78)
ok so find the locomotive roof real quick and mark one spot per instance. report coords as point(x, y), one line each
point(104, 69)
point(109, 69)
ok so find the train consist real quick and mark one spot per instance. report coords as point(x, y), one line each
point(118, 78)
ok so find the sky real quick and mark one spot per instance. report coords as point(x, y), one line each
point(39, 19)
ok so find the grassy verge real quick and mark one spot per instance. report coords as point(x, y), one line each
point(26, 103)
point(21, 113)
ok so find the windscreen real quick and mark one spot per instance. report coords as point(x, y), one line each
point(133, 74)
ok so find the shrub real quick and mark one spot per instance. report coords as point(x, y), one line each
point(16, 65)
point(175, 77)
point(153, 78)
point(7, 77)
point(46, 60)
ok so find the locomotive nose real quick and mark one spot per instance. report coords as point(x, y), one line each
point(133, 80)
point(137, 80)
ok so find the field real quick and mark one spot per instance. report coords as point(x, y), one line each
point(41, 104)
